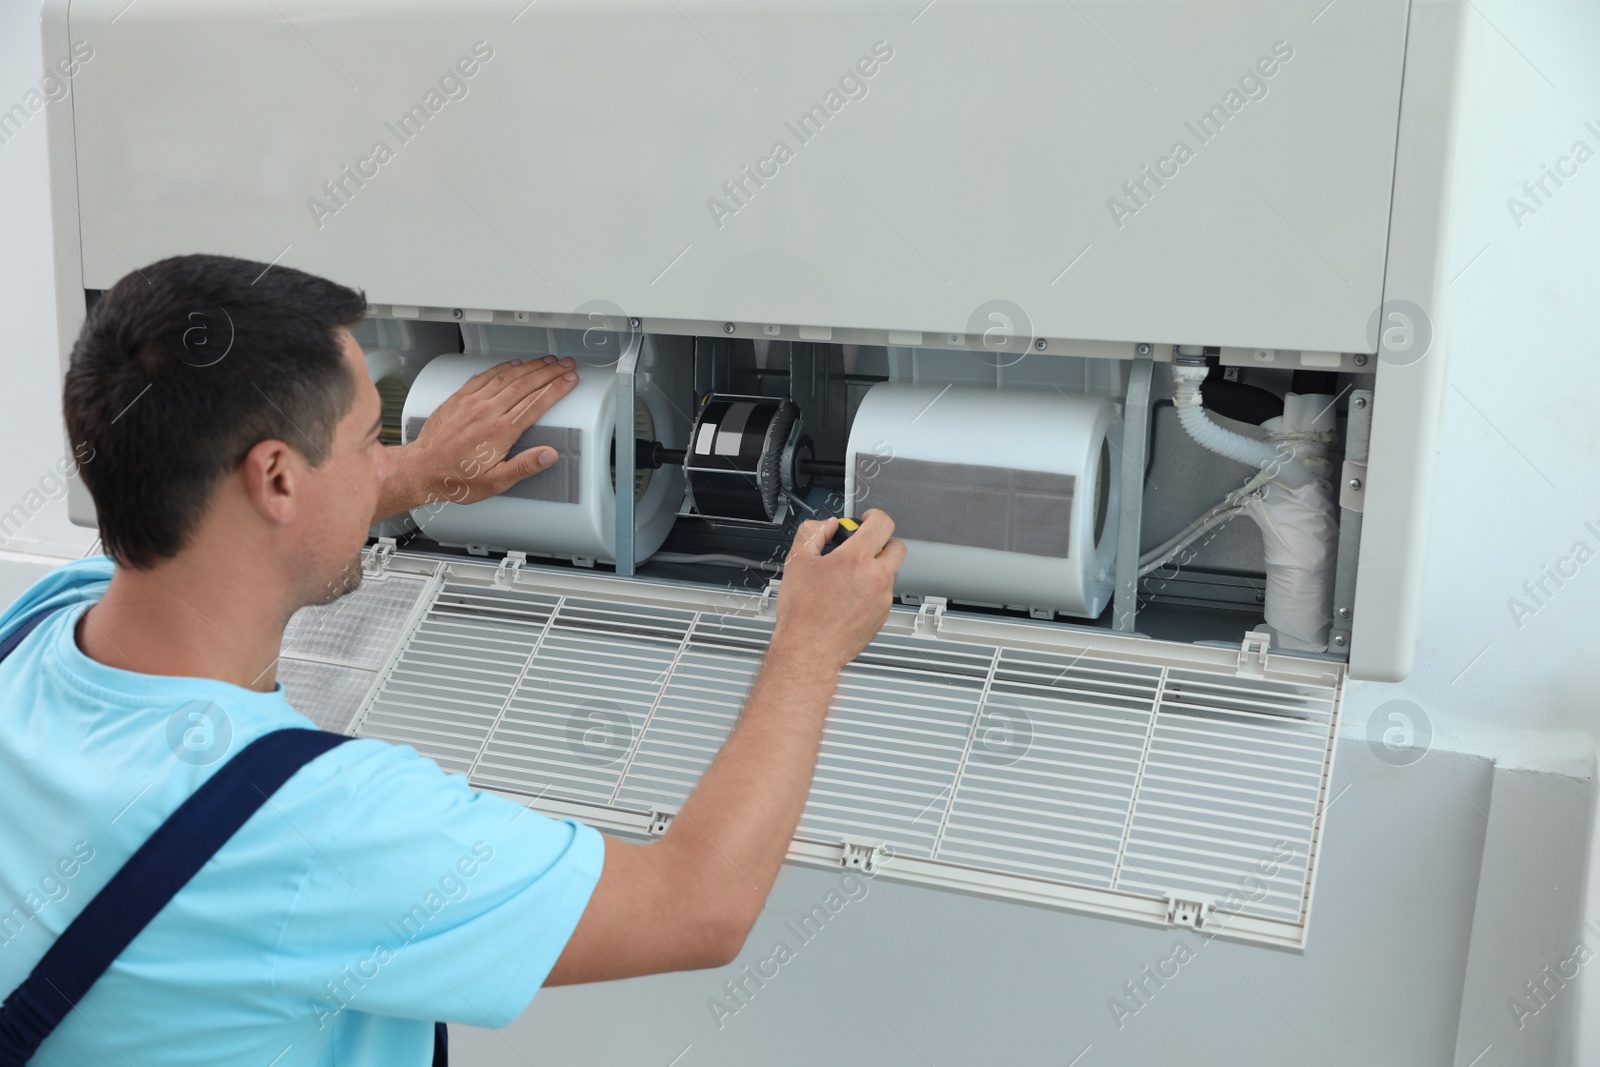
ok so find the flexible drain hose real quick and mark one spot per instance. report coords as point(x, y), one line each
point(1285, 468)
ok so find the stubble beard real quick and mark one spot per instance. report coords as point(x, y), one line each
point(348, 581)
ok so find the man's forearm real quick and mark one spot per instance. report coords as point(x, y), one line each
point(402, 490)
point(735, 829)
point(690, 899)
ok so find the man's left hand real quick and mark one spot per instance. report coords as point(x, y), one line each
point(460, 453)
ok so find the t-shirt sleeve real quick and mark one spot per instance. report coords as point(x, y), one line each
point(425, 899)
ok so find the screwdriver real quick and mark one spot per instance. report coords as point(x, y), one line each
point(847, 526)
point(841, 534)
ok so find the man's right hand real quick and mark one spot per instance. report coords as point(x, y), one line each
point(831, 606)
point(690, 899)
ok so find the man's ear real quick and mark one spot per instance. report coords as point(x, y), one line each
point(272, 475)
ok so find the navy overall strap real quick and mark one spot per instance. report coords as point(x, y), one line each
point(153, 876)
point(162, 866)
point(15, 638)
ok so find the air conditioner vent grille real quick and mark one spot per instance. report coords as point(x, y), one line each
point(1069, 768)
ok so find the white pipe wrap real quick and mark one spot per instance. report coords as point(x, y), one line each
point(1300, 531)
point(1295, 510)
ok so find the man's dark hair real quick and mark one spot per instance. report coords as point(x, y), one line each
point(180, 369)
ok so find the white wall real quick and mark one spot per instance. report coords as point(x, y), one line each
point(31, 435)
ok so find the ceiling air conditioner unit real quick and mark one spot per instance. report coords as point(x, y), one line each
point(1140, 346)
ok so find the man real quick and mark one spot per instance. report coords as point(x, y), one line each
point(371, 894)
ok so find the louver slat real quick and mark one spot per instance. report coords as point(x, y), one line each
point(1066, 768)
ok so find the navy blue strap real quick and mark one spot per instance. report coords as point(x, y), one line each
point(16, 637)
point(153, 876)
point(161, 867)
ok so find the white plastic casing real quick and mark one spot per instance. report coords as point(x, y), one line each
point(585, 529)
point(1022, 429)
point(1317, 194)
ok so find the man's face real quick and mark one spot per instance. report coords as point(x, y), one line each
point(342, 490)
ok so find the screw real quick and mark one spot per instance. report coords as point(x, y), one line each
point(456, 313)
point(1261, 598)
point(1344, 613)
point(1338, 640)
point(1142, 349)
point(633, 323)
point(1041, 344)
point(1361, 360)
point(1355, 483)
point(1360, 401)
point(727, 327)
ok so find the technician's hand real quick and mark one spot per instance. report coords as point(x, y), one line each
point(830, 607)
point(460, 454)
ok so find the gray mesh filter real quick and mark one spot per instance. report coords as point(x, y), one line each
point(561, 482)
point(332, 653)
point(358, 630)
point(326, 694)
point(969, 504)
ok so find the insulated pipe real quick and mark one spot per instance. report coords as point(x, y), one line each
point(1294, 511)
point(1186, 379)
point(1300, 535)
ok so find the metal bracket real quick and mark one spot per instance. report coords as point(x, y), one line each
point(505, 575)
point(1188, 911)
point(930, 616)
point(660, 819)
point(1130, 509)
point(863, 856)
point(1253, 653)
point(1353, 486)
point(627, 364)
point(1357, 438)
point(377, 559)
point(768, 605)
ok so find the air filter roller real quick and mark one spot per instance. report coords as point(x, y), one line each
point(1004, 498)
point(568, 510)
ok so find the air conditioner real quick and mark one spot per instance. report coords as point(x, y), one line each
point(1032, 293)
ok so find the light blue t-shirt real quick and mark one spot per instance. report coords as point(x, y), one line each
point(370, 896)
